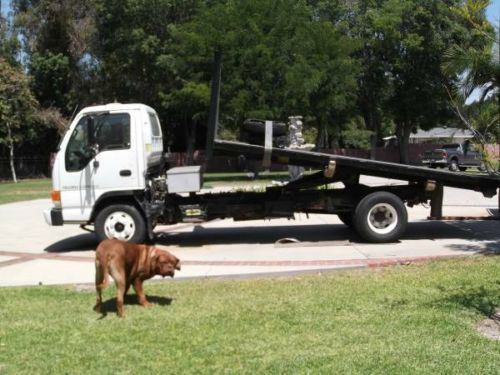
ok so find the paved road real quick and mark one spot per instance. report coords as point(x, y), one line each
point(33, 253)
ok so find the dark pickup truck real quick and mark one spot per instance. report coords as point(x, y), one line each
point(454, 156)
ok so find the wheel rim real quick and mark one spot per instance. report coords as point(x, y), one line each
point(382, 218)
point(119, 225)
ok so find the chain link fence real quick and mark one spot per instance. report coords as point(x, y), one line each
point(26, 167)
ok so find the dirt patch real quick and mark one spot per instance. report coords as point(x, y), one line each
point(490, 327)
point(84, 288)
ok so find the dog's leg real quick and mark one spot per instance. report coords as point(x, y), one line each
point(120, 282)
point(140, 293)
point(98, 286)
point(120, 295)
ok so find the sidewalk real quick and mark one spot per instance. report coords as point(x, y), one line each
point(32, 253)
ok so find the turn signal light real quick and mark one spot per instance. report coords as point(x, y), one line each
point(56, 197)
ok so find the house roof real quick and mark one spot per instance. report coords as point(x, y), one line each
point(439, 133)
point(443, 133)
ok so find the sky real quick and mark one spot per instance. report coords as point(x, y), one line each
point(493, 12)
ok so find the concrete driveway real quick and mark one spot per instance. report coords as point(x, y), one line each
point(32, 253)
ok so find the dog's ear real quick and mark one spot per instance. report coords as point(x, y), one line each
point(177, 264)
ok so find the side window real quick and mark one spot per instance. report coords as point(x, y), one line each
point(155, 126)
point(109, 132)
point(77, 152)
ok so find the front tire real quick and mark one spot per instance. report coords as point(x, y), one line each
point(453, 165)
point(122, 222)
point(380, 217)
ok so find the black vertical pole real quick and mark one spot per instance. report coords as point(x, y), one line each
point(437, 202)
point(213, 117)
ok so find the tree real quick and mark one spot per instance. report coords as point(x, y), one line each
point(479, 60)
point(58, 38)
point(134, 48)
point(190, 104)
point(139, 60)
point(372, 27)
point(356, 134)
point(280, 59)
point(426, 28)
point(17, 109)
point(9, 44)
point(478, 66)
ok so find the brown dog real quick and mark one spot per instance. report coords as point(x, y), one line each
point(130, 264)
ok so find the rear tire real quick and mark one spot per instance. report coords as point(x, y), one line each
point(122, 222)
point(380, 217)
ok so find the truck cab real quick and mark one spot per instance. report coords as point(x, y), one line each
point(105, 159)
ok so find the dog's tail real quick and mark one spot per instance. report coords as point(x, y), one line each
point(101, 274)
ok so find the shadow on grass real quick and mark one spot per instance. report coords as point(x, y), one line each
point(81, 242)
point(109, 306)
point(480, 299)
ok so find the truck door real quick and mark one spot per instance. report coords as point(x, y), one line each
point(99, 157)
point(470, 154)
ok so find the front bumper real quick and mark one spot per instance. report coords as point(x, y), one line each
point(53, 216)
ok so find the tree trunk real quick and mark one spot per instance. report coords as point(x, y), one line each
point(190, 134)
point(322, 138)
point(11, 153)
point(372, 123)
point(403, 133)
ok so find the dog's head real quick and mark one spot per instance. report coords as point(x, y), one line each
point(165, 263)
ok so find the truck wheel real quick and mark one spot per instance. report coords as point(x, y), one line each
point(453, 165)
point(380, 217)
point(346, 218)
point(122, 222)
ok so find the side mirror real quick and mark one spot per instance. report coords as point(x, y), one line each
point(90, 130)
point(92, 146)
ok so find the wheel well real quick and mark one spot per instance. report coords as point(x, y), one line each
point(117, 199)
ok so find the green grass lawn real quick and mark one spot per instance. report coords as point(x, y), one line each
point(25, 190)
point(413, 319)
point(40, 188)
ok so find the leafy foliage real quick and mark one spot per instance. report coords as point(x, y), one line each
point(478, 66)
point(349, 67)
point(17, 105)
point(279, 60)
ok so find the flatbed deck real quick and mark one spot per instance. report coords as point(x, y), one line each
point(346, 165)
